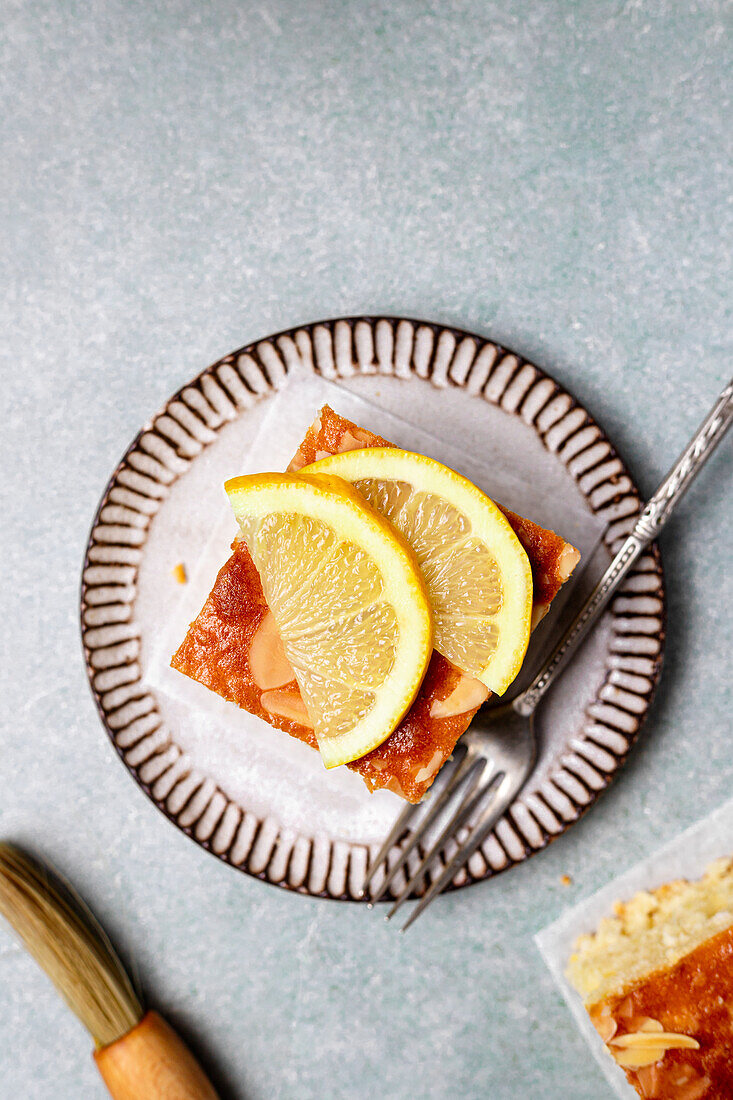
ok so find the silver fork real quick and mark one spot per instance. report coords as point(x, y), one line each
point(495, 757)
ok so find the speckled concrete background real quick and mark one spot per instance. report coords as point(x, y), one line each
point(182, 178)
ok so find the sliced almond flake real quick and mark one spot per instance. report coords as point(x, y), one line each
point(268, 664)
point(286, 704)
point(644, 1040)
point(631, 1059)
point(466, 695)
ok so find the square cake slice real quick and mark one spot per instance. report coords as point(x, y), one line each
point(233, 647)
point(657, 981)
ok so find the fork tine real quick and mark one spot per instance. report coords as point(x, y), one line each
point(394, 835)
point(491, 814)
point(463, 811)
point(435, 806)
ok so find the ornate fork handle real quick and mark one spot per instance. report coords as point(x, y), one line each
point(647, 527)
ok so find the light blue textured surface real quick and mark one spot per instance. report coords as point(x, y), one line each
point(182, 178)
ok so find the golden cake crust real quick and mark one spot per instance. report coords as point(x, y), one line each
point(694, 998)
point(216, 649)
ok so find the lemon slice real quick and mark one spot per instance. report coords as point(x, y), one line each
point(478, 576)
point(348, 599)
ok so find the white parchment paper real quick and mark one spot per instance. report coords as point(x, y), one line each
point(282, 430)
point(686, 856)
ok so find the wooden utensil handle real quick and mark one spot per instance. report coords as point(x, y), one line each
point(152, 1063)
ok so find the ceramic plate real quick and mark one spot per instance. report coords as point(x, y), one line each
point(251, 795)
